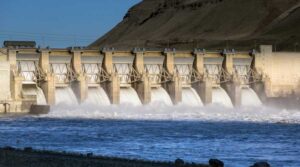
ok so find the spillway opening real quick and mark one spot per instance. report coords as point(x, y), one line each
point(129, 96)
point(160, 95)
point(250, 98)
point(65, 96)
point(190, 97)
point(32, 91)
point(97, 96)
point(220, 97)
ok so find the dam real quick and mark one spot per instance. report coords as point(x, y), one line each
point(74, 76)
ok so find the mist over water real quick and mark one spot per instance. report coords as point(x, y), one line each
point(161, 111)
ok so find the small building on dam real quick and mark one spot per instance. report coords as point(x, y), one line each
point(49, 76)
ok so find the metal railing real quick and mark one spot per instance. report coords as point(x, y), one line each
point(63, 72)
point(216, 73)
point(95, 73)
point(127, 74)
point(247, 75)
point(188, 75)
point(30, 71)
point(157, 74)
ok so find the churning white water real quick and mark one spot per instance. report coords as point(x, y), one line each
point(65, 96)
point(160, 95)
point(129, 96)
point(178, 112)
point(250, 98)
point(97, 96)
point(220, 97)
point(191, 97)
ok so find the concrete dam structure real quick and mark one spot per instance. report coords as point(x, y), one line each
point(42, 76)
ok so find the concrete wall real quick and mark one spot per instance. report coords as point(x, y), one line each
point(280, 71)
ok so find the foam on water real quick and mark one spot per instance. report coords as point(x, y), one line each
point(97, 96)
point(160, 111)
point(160, 95)
point(65, 96)
point(220, 97)
point(129, 96)
point(250, 98)
point(191, 97)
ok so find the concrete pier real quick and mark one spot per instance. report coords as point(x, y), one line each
point(173, 87)
point(112, 86)
point(142, 87)
point(204, 86)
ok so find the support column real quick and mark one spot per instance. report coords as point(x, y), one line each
point(233, 87)
point(204, 90)
point(111, 87)
point(79, 87)
point(174, 87)
point(258, 87)
point(199, 62)
point(5, 92)
point(48, 85)
point(108, 62)
point(142, 87)
point(15, 82)
point(204, 87)
point(264, 63)
point(234, 90)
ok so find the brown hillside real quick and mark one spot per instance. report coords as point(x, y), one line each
point(211, 24)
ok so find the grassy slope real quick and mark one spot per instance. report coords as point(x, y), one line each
point(210, 24)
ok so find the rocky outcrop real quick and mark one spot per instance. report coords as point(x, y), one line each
point(11, 157)
point(187, 24)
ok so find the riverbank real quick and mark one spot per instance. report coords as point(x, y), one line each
point(12, 157)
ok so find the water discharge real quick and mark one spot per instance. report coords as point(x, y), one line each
point(129, 96)
point(65, 96)
point(160, 95)
point(250, 98)
point(220, 97)
point(41, 99)
point(97, 96)
point(34, 91)
point(191, 97)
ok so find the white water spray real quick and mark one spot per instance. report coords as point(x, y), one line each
point(179, 112)
point(220, 97)
point(129, 96)
point(160, 95)
point(41, 99)
point(190, 97)
point(97, 96)
point(32, 90)
point(65, 96)
point(250, 98)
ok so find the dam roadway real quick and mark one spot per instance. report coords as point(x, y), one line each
point(73, 76)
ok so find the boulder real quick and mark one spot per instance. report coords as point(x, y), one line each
point(261, 164)
point(215, 163)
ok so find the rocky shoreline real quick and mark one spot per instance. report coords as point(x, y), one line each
point(28, 157)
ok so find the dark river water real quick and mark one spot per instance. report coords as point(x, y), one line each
point(235, 143)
